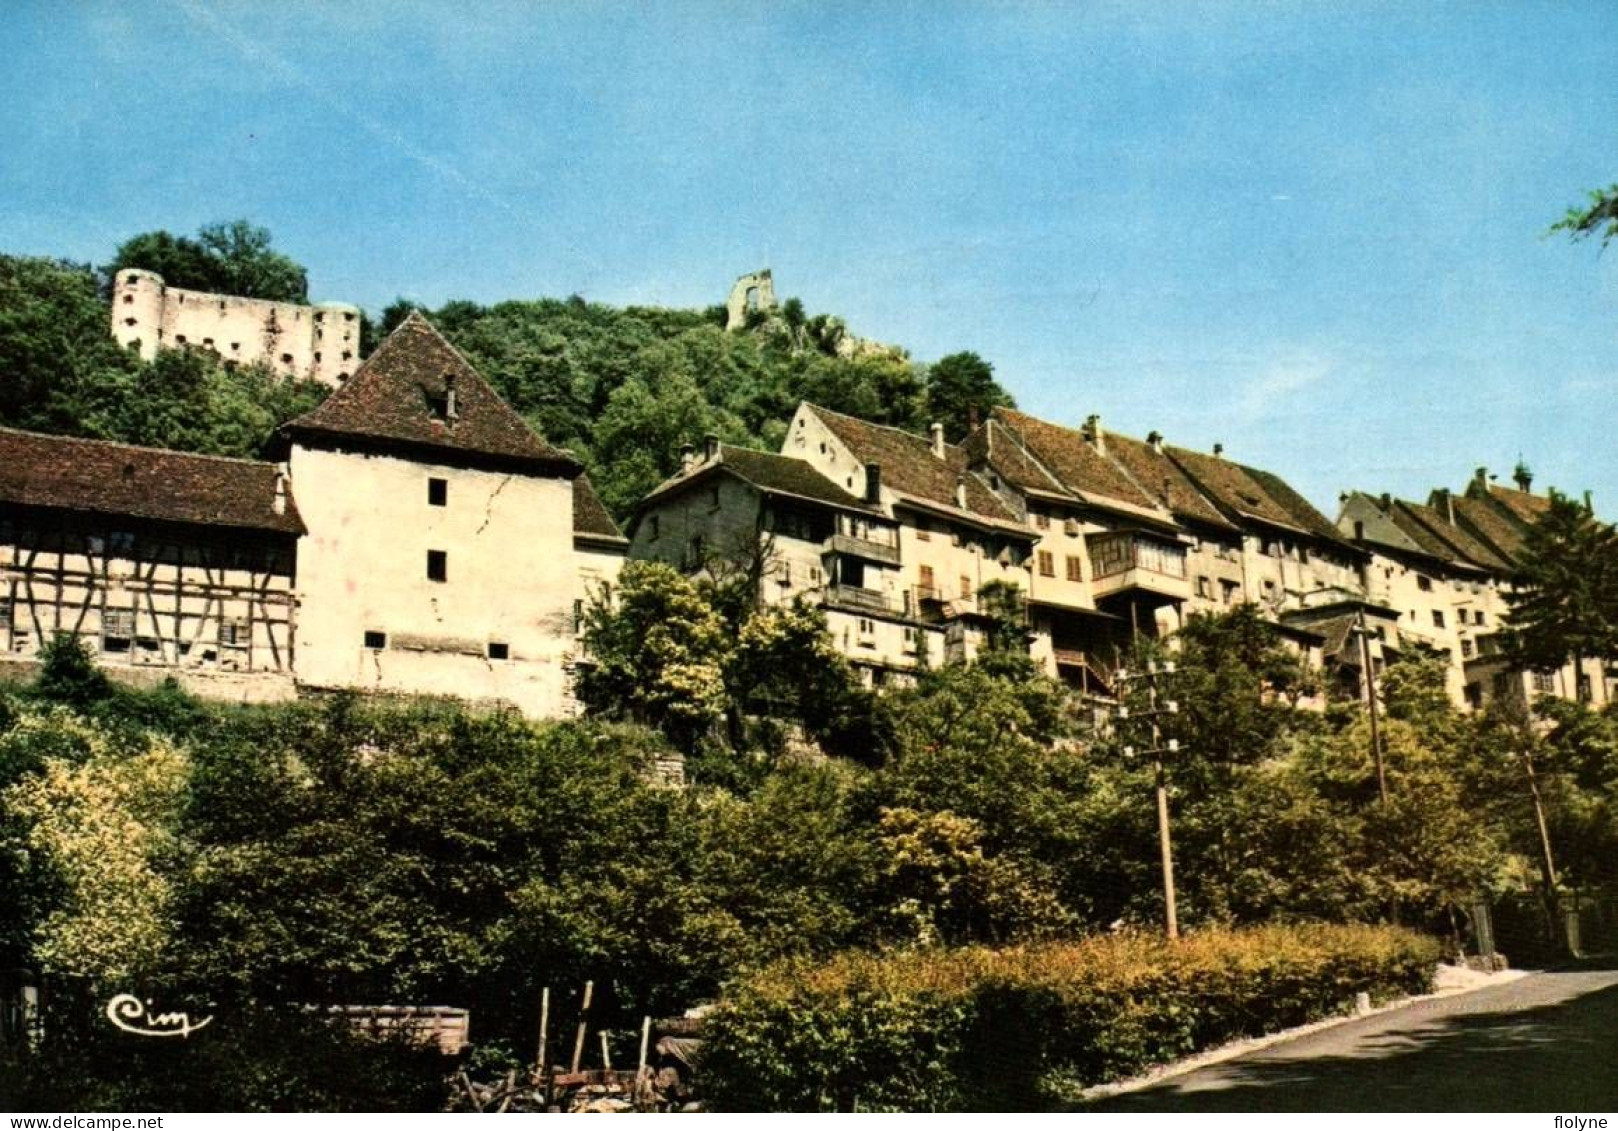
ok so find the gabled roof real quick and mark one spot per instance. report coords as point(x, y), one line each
point(1072, 459)
point(1482, 520)
point(1526, 508)
point(771, 473)
point(395, 399)
point(1299, 508)
point(910, 468)
point(994, 445)
point(96, 476)
point(1235, 489)
point(590, 515)
point(1451, 537)
point(1163, 479)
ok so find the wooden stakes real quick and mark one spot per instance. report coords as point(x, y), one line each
point(584, 1021)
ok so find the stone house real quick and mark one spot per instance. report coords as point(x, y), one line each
point(888, 532)
point(1446, 567)
point(1147, 534)
point(413, 536)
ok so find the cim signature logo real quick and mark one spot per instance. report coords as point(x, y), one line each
point(132, 1015)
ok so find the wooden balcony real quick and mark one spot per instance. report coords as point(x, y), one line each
point(853, 597)
point(862, 548)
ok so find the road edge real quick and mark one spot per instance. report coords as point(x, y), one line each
point(1234, 1049)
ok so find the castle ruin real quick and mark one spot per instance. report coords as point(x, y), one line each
point(316, 343)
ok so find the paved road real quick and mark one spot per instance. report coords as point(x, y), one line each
point(1547, 1042)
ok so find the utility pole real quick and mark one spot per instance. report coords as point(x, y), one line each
point(1153, 711)
point(1370, 699)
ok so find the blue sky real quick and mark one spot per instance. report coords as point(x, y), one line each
point(1313, 232)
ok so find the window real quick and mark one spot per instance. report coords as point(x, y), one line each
point(786, 573)
point(437, 492)
point(1042, 521)
point(498, 650)
point(713, 497)
point(1477, 616)
point(376, 641)
point(1229, 591)
point(437, 565)
point(1204, 588)
point(1544, 681)
point(923, 534)
point(927, 588)
point(1075, 572)
point(233, 633)
point(1438, 618)
point(910, 635)
point(651, 528)
point(286, 359)
point(117, 629)
point(578, 617)
point(1466, 649)
point(867, 633)
point(1047, 564)
point(966, 588)
point(1425, 584)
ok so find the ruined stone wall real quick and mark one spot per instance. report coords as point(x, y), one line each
point(755, 292)
point(318, 343)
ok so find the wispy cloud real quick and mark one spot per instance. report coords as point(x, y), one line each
point(1277, 381)
point(210, 22)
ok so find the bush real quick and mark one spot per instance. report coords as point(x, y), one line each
point(980, 1029)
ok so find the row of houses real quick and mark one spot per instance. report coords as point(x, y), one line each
point(414, 535)
point(1107, 538)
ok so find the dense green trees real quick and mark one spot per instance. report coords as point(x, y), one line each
point(961, 390)
point(232, 258)
point(66, 374)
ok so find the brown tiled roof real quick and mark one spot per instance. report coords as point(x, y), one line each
point(1162, 478)
point(1483, 521)
point(1299, 508)
point(151, 483)
point(590, 516)
point(1233, 488)
point(910, 468)
point(392, 396)
point(770, 471)
point(1452, 541)
point(1073, 460)
point(994, 445)
point(1524, 507)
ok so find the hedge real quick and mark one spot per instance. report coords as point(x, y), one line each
point(977, 1029)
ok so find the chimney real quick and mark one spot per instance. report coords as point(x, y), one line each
point(1359, 530)
point(1449, 504)
point(710, 447)
point(1523, 477)
point(688, 457)
point(960, 491)
point(1387, 502)
point(873, 482)
point(1589, 507)
point(1093, 433)
point(450, 409)
point(1219, 450)
point(279, 503)
point(1481, 478)
point(1155, 440)
point(937, 431)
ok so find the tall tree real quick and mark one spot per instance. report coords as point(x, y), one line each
point(232, 258)
point(1564, 606)
point(961, 387)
